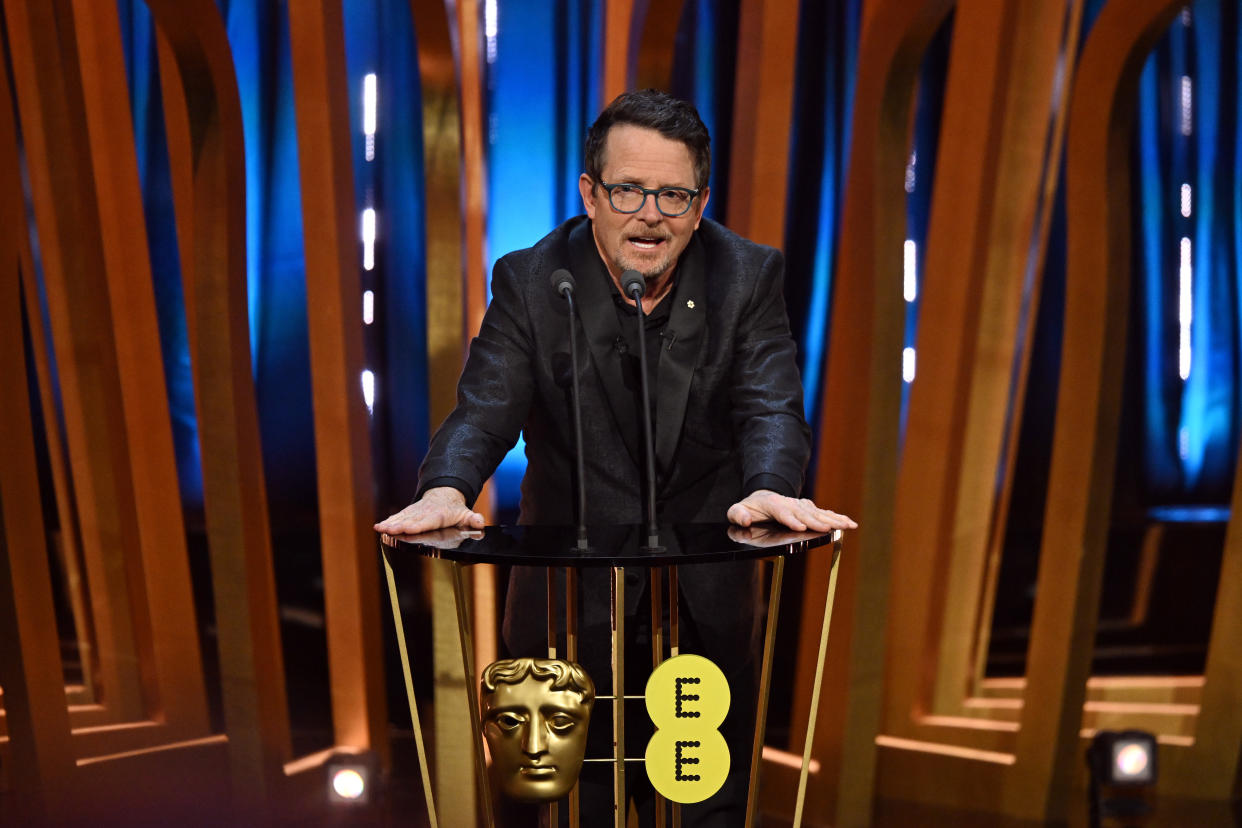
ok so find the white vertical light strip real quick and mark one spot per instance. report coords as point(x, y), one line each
point(491, 26)
point(1185, 309)
point(909, 267)
point(910, 270)
point(1186, 18)
point(1187, 105)
point(368, 307)
point(368, 390)
point(370, 95)
point(368, 239)
point(1186, 200)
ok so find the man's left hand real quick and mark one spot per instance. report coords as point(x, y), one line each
point(794, 513)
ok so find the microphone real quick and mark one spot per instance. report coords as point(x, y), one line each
point(634, 286)
point(563, 283)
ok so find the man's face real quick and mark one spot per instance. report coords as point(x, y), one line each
point(646, 241)
point(537, 737)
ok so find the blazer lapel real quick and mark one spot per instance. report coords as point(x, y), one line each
point(679, 353)
point(599, 320)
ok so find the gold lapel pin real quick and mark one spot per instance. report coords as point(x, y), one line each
point(690, 304)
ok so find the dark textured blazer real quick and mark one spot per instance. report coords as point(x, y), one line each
point(728, 395)
point(729, 415)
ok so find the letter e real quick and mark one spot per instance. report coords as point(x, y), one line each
point(680, 759)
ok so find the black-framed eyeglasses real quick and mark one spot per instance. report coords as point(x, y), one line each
point(630, 198)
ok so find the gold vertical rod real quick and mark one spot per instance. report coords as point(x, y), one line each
point(409, 693)
point(834, 567)
point(551, 590)
point(765, 686)
point(618, 696)
point(551, 573)
point(466, 636)
point(483, 607)
point(674, 638)
point(674, 649)
point(571, 613)
point(656, 578)
point(571, 654)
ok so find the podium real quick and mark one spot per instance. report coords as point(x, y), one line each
point(689, 584)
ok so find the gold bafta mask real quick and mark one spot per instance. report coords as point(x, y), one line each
point(535, 717)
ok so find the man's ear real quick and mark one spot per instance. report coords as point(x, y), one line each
point(586, 188)
point(701, 205)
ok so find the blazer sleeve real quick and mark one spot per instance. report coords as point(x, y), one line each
point(773, 436)
point(493, 395)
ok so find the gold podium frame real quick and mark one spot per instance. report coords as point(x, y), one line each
point(617, 643)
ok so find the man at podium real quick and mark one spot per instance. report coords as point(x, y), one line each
point(729, 437)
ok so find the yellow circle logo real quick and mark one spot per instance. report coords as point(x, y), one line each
point(687, 699)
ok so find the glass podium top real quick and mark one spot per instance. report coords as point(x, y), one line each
point(687, 543)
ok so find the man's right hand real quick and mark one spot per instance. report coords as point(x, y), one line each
point(438, 508)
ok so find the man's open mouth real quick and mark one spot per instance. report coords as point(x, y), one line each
point(647, 242)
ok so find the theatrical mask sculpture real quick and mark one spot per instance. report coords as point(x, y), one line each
point(535, 716)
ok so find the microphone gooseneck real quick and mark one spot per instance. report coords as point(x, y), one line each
point(563, 283)
point(633, 285)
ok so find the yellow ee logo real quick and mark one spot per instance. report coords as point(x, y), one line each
point(687, 699)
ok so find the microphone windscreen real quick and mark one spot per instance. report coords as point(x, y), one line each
point(562, 280)
point(632, 283)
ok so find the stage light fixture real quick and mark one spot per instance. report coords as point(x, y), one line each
point(1123, 772)
point(348, 783)
point(1125, 758)
point(351, 778)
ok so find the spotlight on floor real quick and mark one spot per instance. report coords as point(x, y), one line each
point(351, 778)
point(1123, 776)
